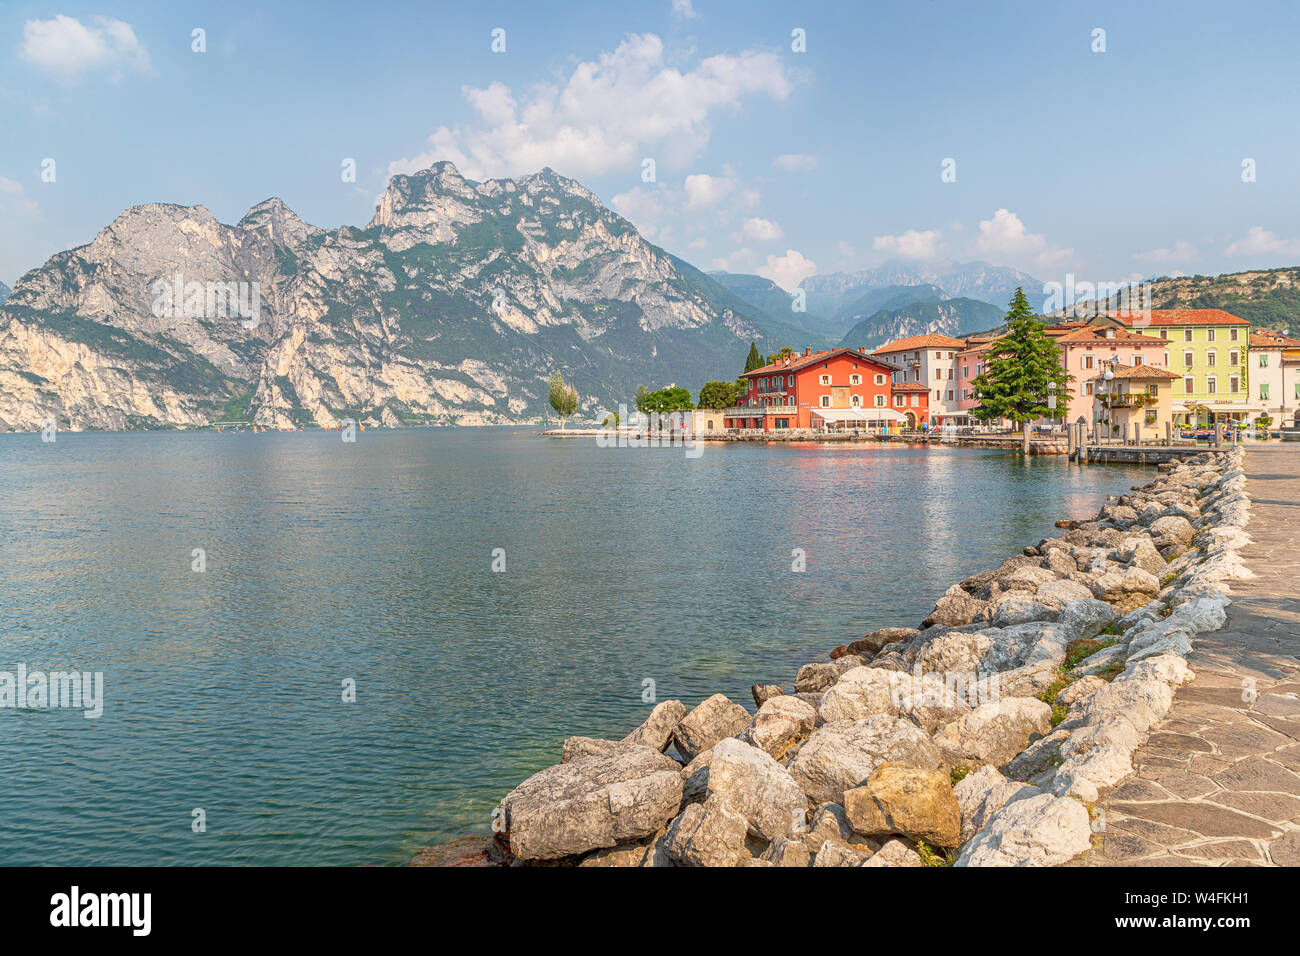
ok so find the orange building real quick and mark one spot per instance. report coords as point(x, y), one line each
point(834, 388)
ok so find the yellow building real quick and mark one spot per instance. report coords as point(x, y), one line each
point(1209, 349)
point(1135, 403)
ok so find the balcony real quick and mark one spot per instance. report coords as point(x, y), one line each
point(754, 411)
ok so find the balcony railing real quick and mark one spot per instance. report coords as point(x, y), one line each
point(756, 411)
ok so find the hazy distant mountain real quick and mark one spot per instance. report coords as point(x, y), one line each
point(834, 292)
point(452, 306)
point(887, 298)
point(4, 292)
point(954, 317)
point(813, 328)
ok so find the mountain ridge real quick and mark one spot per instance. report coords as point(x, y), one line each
point(451, 306)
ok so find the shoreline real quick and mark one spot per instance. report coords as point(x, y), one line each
point(1018, 624)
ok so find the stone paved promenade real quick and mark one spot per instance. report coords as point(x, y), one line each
point(1218, 782)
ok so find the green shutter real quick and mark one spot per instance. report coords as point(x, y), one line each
point(1263, 390)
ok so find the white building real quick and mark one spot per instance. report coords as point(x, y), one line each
point(1275, 375)
point(932, 361)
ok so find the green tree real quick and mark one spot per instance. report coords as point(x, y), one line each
point(755, 360)
point(1019, 371)
point(564, 398)
point(718, 395)
point(672, 399)
point(640, 399)
point(775, 357)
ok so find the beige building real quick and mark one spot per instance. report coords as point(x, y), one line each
point(1135, 403)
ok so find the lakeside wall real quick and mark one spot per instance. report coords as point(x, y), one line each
point(981, 737)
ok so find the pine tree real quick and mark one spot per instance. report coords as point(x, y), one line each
point(755, 360)
point(1019, 369)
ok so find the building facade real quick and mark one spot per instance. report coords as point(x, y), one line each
point(1209, 350)
point(1275, 375)
point(829, 388)
point(1136, 403)
point(1087, 348)
point(929, 360)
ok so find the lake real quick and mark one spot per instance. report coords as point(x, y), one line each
point(372, 563)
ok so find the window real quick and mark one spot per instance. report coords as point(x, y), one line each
point(938, 374)
point(1209, 335)
point(1232, 335)
point(1210, 358)
point(1187, 335)
point(880, 401)
point(1263, 390)
point(1137, 360)
point(1164, 333)
point(1263, 360)
point(1087, 388)
point(1234, 384)
point(1189, 359)
point(826, 401)
point(916, 401)
point(824, 380)
point(938, 355)
point(1211, 385)
point(1233, 357)
point(1297, 389)
point(856, 401)
point(880, 379)
point(950, 374)
point(965, 394)
point(1189, 385)
point(900, 401)
point(965, 371)
point(1087, 362)
point(855, 379)
point(789, 381)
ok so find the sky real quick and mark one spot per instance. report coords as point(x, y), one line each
point(783, 139)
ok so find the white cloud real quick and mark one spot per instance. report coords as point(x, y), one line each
point(912, 244)
point(610, 112)
point(795, 162)
point(1006, 236)
point(761, 230)
point(1259, 241)
point(705, 190)
point(68, 47)
point(15, 201)
point(1181, 252)
point(788, 270)
point(684, 9)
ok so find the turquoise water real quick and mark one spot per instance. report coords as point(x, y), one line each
point(373, 561)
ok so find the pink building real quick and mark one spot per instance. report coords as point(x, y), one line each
point(1086, 348)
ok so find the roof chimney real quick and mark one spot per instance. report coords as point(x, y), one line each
point(807, 350)
point(862, 349)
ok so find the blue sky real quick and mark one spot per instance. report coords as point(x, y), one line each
point(1111, 165)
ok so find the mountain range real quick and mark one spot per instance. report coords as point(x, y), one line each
point(452, 306)
point(4, 292)
point(896, 300)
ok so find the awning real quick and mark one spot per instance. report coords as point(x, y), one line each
point(850, 415)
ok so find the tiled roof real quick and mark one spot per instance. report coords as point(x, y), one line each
point(930, 341)
point(1163, 317)
point(1099, 334)
point(1268, 339)
point(798, 361)
point(909, 387)
point(1140, 371)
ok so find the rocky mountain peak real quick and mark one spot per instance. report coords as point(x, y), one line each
point(273, 219)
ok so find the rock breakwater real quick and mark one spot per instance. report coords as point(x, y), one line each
point(980, 738)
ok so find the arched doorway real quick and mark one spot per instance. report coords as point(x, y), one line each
point(911, 419)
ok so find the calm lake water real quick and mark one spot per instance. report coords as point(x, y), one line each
point(373, 562)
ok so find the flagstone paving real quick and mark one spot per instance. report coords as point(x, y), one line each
point(1218, 781)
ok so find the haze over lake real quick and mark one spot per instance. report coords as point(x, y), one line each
point(372, 561)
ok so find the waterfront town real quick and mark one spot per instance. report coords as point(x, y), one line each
point(1189, 368)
